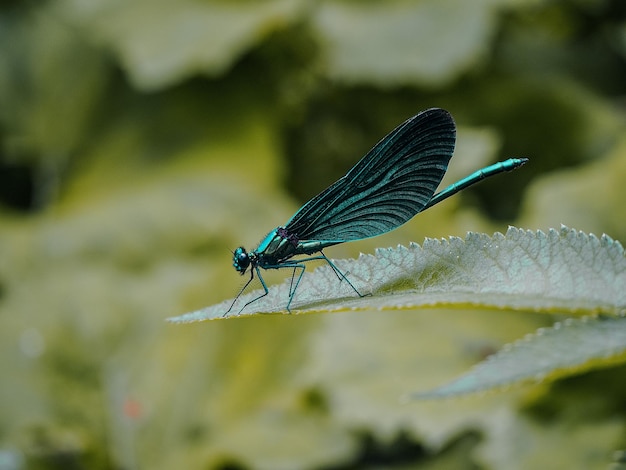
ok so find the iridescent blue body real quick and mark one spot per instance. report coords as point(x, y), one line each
point(276, 248)
point(392, 183)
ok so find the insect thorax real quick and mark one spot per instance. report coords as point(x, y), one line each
point(277, 246)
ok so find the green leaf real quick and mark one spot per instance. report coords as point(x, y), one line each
point(558, 271)
point(162, 43)
point(572, 345)
point(402, 42)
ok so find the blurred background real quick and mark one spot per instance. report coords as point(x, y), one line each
point(140, 141)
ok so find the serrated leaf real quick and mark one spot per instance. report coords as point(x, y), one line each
point(568, 346)
point(558, 271)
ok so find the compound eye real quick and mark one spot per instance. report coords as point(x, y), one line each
point(241, 260)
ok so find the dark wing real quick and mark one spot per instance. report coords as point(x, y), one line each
point(386, 188)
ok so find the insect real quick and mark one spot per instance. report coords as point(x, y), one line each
point(392, 183)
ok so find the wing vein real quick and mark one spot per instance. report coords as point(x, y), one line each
point(387, 187)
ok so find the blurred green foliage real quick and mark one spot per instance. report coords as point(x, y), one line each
point(141, 140)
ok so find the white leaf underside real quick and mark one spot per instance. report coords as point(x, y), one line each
point(558, 271)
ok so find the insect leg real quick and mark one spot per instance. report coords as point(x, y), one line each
point(335, 269)
point(292, 292)
point(240, 292)
point(258, 272)
point(341, 275)
point(295, 264)
point(291, 287)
